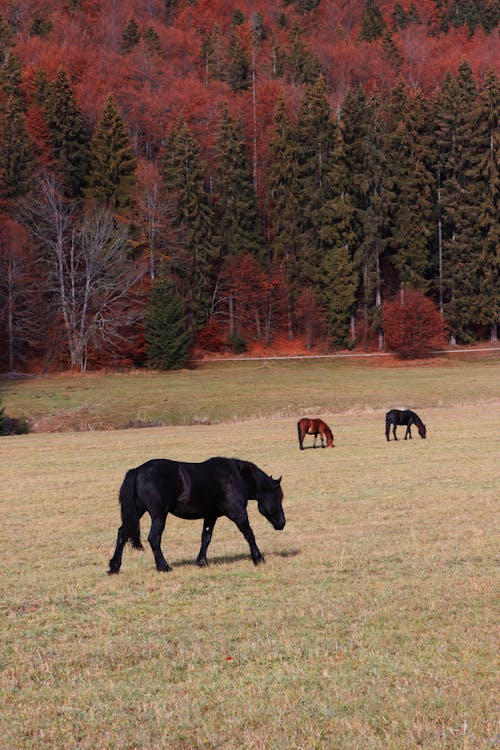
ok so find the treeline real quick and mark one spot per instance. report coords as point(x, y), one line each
point(120, 246)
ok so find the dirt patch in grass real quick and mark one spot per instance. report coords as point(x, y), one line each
point(82, 419)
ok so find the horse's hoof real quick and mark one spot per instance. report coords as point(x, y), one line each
point(164, 569)
point(259, 560)
point(112, 572)
point(202, 563)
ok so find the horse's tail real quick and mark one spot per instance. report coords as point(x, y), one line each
point(130, 517)
point(299, 432)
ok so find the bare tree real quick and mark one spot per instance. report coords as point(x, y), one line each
point(156, 212)
point(90, 275)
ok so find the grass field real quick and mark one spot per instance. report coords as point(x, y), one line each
point(373, 623)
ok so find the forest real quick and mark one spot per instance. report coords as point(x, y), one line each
point(186, 176)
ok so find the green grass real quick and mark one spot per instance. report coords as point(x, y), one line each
point(228, 391)
point(373, 624)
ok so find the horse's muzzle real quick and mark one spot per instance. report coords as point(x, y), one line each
point(278, 525)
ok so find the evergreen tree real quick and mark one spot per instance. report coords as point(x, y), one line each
point(301, 64)
point(339, 283)
point(370, 184)
point(237, 211)
point(284, 191)
point(413, 212)
point(112, 174)
point(399, 16)
point(41, 26)
point(458, 142)
point(11, 78)
point(372, 22)
point(167, 339)
point(339, 276)
point(131, 36)
point(238, 65)
point(16, 152)
point(212, 54)
point(316, 140)
point(464, 13)
point(152, 41)
point(6, 41)
point(486, 305)
point(391, 51)
point(184, 176)
point(68, 136)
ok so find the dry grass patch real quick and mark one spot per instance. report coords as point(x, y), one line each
point(372, 624)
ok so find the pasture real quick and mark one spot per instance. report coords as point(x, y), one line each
point(372, 625)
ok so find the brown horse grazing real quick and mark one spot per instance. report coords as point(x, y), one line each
point(306, 426)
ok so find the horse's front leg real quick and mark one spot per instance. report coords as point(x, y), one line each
point(242, 522)
point(154, 539)
point(315, 436)
point(394, 431)
point(206, 537)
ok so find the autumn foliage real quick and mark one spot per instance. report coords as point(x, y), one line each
point(413, 326)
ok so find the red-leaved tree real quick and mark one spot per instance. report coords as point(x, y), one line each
point(412, 324)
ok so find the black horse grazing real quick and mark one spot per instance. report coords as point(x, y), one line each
point(210, 489)
point(306, 426)
point(406, 417)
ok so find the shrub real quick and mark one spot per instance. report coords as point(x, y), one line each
point(412, 324)
point(237, 343)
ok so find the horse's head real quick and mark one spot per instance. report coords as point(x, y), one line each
point(270, 499)
point(329, 442)
point(422, 431)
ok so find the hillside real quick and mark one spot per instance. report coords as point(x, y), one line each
point(329, 153)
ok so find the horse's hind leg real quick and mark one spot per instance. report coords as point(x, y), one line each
point(408, 431)
point(206, 536)
point(116, 561)
point(154, 539)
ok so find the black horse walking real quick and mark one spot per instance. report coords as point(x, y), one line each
point(210, 489)
point(396, 417)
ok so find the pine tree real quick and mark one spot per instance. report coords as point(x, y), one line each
point(371, 186)
point(301, 64)
point(413, 211)
point(131, 36)
point(68, 136)
point(184, 176)
point(6, 40)
point(339, 283)
point(16, 152)
point(459, 148)
point(112, 174)
point(284, 191)
point(237, 213)
point(372, 22)
point(316, 140)
point(212, 54)
point(339, 279)
point(238, 64)
point(487, 303)
point(11, 78)
point(152, 41)
point(166, 335)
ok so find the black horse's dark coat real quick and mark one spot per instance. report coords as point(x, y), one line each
point(395, 417)
point(210, 489)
